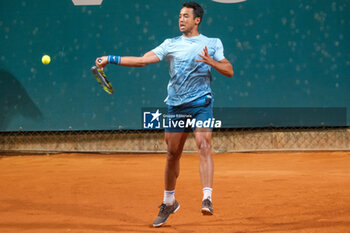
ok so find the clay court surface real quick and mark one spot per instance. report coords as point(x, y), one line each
point(253, 192)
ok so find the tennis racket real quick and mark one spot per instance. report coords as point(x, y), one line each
point(102, 79)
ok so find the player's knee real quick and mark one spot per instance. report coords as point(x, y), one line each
point(173, 155)
point(204, 144)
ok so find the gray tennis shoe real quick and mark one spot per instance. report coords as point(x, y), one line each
point(164, 213)
point(207, 207)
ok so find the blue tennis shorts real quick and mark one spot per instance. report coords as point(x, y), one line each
point(187, 117)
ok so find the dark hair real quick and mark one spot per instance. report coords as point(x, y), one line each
point(197, 9)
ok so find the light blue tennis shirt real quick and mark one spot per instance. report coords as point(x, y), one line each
point(189, 80)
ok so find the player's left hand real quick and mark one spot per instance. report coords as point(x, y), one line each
point(206, 58)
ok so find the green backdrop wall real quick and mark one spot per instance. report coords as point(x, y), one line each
point(285, 54)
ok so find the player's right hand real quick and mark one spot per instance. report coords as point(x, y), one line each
point(101, 62)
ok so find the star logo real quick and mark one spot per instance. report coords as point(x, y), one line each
point(151, 119)
point(156, 115)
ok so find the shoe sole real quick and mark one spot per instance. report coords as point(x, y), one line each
point(160, 224)
point(206, 211)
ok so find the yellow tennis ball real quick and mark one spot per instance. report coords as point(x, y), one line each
point(45, 59)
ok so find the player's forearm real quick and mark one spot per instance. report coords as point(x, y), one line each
point(149, 58)
point(224, 68)
point(127, 61)
point(133, 61)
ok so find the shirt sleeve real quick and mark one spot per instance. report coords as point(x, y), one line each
point(219, 51)
point(162, 50)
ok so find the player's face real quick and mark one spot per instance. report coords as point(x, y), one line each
point(187, 20)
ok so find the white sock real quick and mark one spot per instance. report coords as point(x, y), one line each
point(207, 193)
point(169, 197)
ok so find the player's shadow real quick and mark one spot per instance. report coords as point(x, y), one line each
point(14, 100)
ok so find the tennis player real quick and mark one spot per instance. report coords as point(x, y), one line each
point(190, 57)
